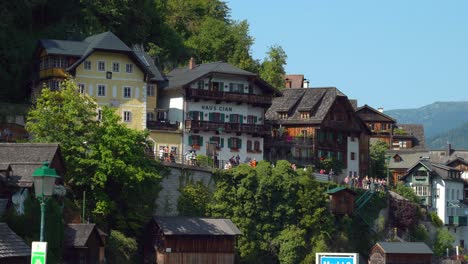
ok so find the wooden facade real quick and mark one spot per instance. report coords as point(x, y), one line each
point(400, 253)
point(342, 201)
point(83, 244)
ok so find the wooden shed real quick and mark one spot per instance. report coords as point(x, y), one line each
point(193, 240)
point(341, 200)
point(13, 249)
point(84, 243)
point(400, 252)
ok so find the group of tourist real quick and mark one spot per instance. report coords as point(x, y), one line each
point(165, 155)
point(367, 183)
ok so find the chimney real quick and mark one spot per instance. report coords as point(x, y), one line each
point(449, 149)
point(305, 83)
point(288, 83)
point(191, 63)
point(380, 109)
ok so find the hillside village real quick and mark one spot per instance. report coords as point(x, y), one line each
point(204, 120)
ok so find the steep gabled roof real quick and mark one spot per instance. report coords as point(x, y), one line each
point(436, 169)
point(316, 101)
point(77, 235)
point(408, 158)
point(369, 114)
point(146, 60)
point(457, 159)
point(196, 226)
point(106, 41)
point(297, 80)
point(11, 245)
point(404, 248)
point(180, 77)
point(64, 47)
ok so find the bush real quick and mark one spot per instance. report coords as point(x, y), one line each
point(193, 200)
point(407, 192)
point(435, 219)
point(204, 161)
point(121, 249)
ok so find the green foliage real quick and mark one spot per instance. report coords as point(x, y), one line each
point(272, 68)
point(420, 234)
point(271, 206)
point(120, 249)
point(406, 192)
point(204, 161)
point(444, 240)
point(377, 159)
point(331, 163)
point(435, 219)
point(105, 158)
point(193, 200)
point(399, 131)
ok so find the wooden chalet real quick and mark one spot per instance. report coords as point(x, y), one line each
point(195, 240)
point(400, 252)
point(408, 136)
point(314, 123)
point(380, 124)
point(402, 160)
point(84, 243)
point(13, 249)
point(341, 200)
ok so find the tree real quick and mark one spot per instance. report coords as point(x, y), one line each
point(104, 158)
point(193, 200)
point(377, 159)
point(272, 68)
point(444, 240)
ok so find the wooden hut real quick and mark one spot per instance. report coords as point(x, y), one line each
point(400, 252)
point(84, 243)
point(13, 249)
point(341, 200)
point(192, 240)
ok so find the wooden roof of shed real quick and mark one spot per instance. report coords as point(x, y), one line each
point(11, 245)
point(196, 226)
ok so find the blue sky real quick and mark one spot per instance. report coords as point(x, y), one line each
point(393, 54)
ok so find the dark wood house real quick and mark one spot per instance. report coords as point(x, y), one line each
point(194, 240)
point(310, 124)
point(84, 243)
point(13, 249)
point(341, 201)
point(380, 124)
point(400, 253)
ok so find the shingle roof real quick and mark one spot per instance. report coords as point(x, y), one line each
point(417, 131)
point(440, 156)
point(146, 60)
point(106, 41)
point(77, 235)
point(369, 114)
point(180, 77)
point(11, 245)
point(316, 101)
point(405, 247)
point(436, 169)
point(64, 47)
point(408, 158)
point(196, 226)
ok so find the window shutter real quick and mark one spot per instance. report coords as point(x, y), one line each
point(201, 140)
point(222, 118)
point(231, 118)
point(211, 116)
point(221, 86)
point(201, 115)
point(190, 140)
point(222, 142)
point(229, 142)
point(241, 119)
point(255, 119)
point(240, 143)
point(231, 87)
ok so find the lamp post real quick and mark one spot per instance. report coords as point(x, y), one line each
point(44, 182)
point(388, 174)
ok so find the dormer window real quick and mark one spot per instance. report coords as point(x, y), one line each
point(283, 115)
point(305, 115)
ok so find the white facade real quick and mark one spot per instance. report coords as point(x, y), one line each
point(353, 156)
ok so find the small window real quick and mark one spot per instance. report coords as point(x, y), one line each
point(87, 65)
point(115, 67)
point(81, 88)
point(353, 156)
point(127, 92)
point(249, 145)
point(101, 66)
point(234, 143)
point(127, 116)
point(101, 90)
point(257, 146)
point(150, 90)
point(150, 116)
point(129, 68)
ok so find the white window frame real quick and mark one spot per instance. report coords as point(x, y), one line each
point(150, 90)
point(81, 88)
point(98, 66)
point(99, 90)
point(127, 116)
point(150, 116)
point(114, 68)
point(87, 65)
point(129, 68)
point(124, 92)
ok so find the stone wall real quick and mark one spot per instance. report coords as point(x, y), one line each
point(179, 176)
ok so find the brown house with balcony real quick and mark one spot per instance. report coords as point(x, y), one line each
point(219, 109)
point(310, 124)
point(380, 124)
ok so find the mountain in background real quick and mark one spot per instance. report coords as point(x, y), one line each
point(458, 137)
point(437, 118)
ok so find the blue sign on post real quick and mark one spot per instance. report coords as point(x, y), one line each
point(336, 258)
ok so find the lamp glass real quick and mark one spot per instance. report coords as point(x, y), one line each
point(44, 185)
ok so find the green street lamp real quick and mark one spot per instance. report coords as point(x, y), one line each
point(44, 182)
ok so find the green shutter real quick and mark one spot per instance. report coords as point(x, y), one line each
point(222, 118)
point(211, 139)
point(201, 141)
point(211, 116)
point(229, 142)
point(222, 142)
point(255, 119)
point(241, 119)
point(231, 87)
point(190, 140)
point(231, 118)
point(221, 86)
point(201, 115)
point(240, 143)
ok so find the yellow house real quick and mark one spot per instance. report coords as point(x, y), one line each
point(106, 69)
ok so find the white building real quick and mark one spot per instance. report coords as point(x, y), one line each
point(220, 110)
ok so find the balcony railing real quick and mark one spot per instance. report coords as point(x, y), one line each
point(229, 97)
point(162, 125)
point(227, 127)
point(290, 141)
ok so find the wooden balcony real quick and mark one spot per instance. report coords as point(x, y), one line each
point(162, 125)
point(254, 99)
point(227, 127)
point(290, 141)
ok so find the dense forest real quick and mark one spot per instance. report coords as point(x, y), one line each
point(171, 31)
